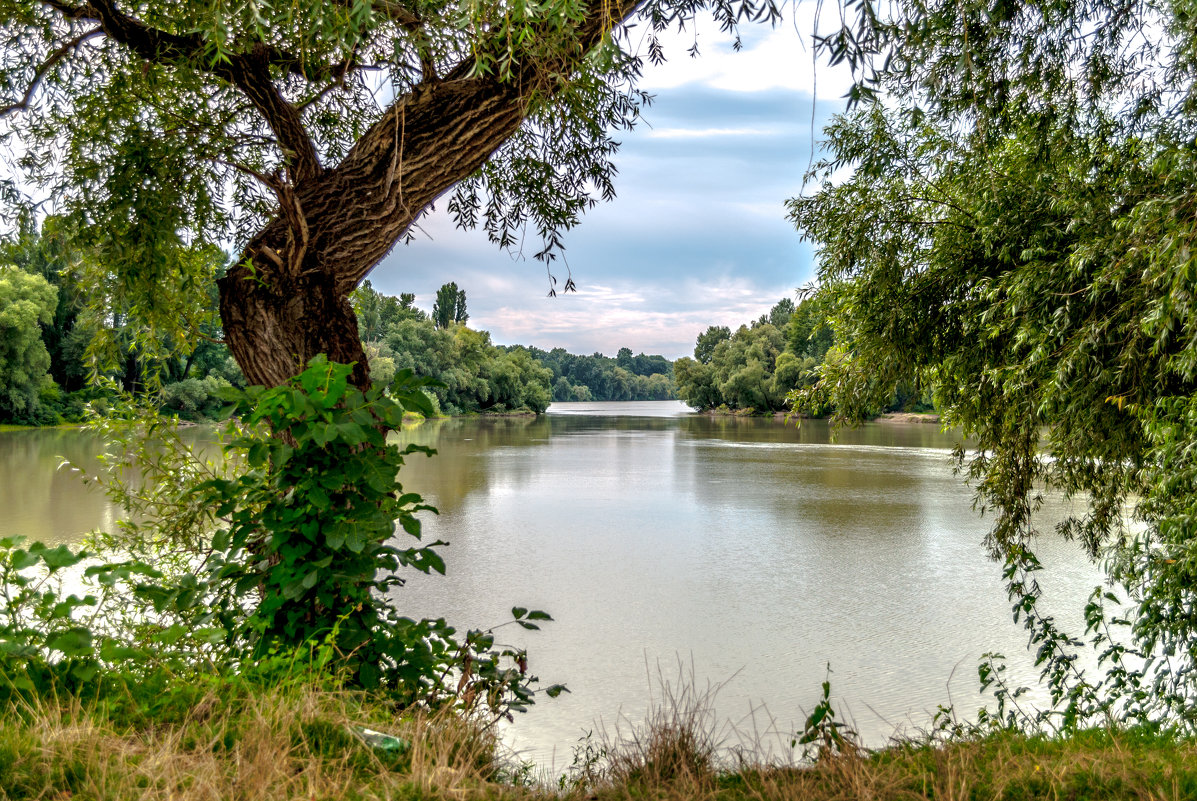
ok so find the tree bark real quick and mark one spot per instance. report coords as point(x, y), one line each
point(287, 299)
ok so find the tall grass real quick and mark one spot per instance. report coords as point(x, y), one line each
point(306, 740)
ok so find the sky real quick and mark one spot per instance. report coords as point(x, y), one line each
point(697, 235)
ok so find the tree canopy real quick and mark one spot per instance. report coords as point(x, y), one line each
point(311, 136)
point(756, 368)
point(26, 302)
point(449, 308)
point(1013, 228)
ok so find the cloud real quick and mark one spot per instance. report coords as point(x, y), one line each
point(704, 133)
point(696, 237)
point(780, 57)
point(646, 317)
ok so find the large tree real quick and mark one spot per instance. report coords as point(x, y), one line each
point(311, 135)
point(27, 302)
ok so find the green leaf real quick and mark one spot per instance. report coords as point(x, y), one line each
point(60, 557)
point(75, 642)
point(22, 559)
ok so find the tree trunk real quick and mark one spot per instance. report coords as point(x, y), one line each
point(287, 299)
point(275, 323)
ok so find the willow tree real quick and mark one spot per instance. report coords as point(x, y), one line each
point(309, 136)
point(1014, 226)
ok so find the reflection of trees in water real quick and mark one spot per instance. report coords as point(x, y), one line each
point(466, 449)
point(831, 489)
point(825, 490)
point(473, 453)
point(758, 429)
point(41, 500)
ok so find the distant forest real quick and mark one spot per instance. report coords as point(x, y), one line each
point(603, 378)
point(57, 354)
point(482, 377)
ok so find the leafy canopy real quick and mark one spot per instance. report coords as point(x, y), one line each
point(1013, 227)
point(27, 302)
point(153, 126)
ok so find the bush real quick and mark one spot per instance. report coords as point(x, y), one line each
point(194, 398)
point(282, 552)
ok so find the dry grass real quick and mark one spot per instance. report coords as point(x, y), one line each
point(300, 743)
point(285, 744)
point(1093, 765)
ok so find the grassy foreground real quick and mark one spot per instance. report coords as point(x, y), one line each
point(299, 741)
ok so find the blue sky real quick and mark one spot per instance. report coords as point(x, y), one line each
point(697, 234)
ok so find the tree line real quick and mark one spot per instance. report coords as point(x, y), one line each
point(596, 377)
point(763, 366)
point(60, 350)
point(57, 353)
point(479, 376)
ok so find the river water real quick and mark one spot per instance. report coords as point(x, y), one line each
point(743, 553)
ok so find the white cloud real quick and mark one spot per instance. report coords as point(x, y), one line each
point(653, 318)
point(697, 236)
point(771, 58)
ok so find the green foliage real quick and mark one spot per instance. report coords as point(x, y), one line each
point(377, 312)
point(94, 348)
point(26, 302)
point(756, 367)
point(194, 398)
point(47, 253)
point(823, 735)
point(286, 548)
point(93, 121)
point(311, 519)
point(601, 378)
point(1011, 230)
point(449, 308)
point(704, 348)
point(471, 375)
point(308, 533)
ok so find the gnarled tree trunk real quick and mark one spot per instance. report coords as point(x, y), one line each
point(287, 299)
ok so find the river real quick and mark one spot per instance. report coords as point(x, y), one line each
point(743, 553)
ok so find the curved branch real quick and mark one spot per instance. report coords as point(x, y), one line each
point(249, 72)
point(45, 67)
point(394, 11)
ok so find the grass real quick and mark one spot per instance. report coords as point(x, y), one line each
point(303, 741)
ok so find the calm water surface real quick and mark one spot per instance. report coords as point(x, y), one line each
point(754, 553)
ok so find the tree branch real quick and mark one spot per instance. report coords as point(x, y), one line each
point(405, 17)
point(45, 67)
point(249, 72)
point(70, 11)
point(447, 128)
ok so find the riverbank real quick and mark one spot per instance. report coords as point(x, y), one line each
point(888, 417)
point(297, 740)
point(5, 427)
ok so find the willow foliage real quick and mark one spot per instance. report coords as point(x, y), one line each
point(1013, 225)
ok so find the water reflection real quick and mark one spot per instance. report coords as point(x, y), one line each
point(42, 499)
point(760, 551)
